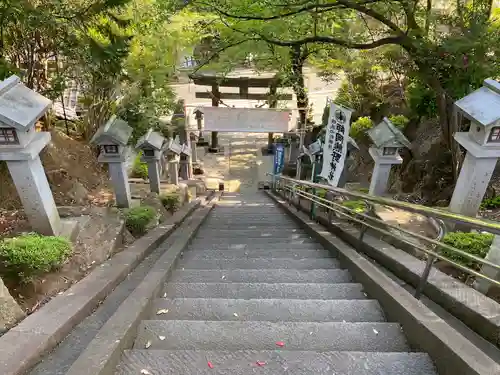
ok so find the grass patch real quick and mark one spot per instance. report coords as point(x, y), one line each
point(474, 243)
point(355, 205)
point(140, 169)
point(32, 254)
point(138, 218)
point(491, 203)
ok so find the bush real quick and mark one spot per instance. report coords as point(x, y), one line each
point(399, 121)
point(477, 244)
point(139, 169)
point(360, 126)
point(491, 203)
point(355, 205)
point(31, 255)
point(138, 218)
point(171, 201)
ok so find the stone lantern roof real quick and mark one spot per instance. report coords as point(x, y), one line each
point(20, 107)
point(386, 134)
point(483, 105)
point(152, 140)
point(115, 130)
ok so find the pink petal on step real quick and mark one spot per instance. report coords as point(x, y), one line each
point(280, 344)
point(210, 364)
point(260, 363)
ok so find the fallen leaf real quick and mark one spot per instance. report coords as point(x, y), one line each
point(162, 311)
point(148, 344)
point(145, 372)
point(210, 364)
point(260, 363)
point(280, 344)
point(161, 338)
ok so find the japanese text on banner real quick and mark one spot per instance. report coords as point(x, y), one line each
point(335, 146)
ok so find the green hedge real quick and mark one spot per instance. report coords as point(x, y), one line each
point(360, 127)
point(138, 218)
point(31, 255)
point(477, 244)
point(171, 201)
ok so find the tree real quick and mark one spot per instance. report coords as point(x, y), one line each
point(438, 42)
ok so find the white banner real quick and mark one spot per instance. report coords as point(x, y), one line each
point(335, 147)
point(247, 120)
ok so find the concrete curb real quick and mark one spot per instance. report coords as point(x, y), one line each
point(104, 352)
point(451, 352)
point(25, 344)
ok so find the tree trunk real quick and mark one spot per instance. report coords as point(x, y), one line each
point(298, 84)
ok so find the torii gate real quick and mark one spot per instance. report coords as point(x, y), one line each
point(243, 83)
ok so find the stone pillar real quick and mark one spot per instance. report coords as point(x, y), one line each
point(381, 171)
point(173, 172)
point(194, 152)
point(471, 185)
point(154, 175)
point(494, 257)
point(270, 140)
point(184, 168)
point(35, 194)
point(119, 179)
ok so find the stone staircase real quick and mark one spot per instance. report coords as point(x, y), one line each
point(254, 294)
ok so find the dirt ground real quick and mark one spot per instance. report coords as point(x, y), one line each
point(75, 178)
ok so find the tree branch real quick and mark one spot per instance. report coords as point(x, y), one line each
point(222, 49)
point(324, 8)
point(339, 42)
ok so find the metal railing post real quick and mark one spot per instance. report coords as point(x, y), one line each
point(425, 275)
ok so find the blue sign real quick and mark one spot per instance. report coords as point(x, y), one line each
point(279, 158)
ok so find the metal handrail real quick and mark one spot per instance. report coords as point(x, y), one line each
point(479, 224)
point(365, 220)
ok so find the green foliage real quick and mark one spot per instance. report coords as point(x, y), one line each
point(476, 244)
point(421, 100)
point(360, 126)
point(491, 203)
point(399, 121)
point(139, 169)
point(138, 218)
point(31, 255)
point(171, 201)
point(357, 206)
point(364, 190)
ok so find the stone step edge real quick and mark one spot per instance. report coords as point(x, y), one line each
point(104, 352)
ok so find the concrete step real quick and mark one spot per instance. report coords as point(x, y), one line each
point(245, 245)
point(261, 335)
point(256, 254)
point(260, 263)
point(325, 291)
point(253, 233)
point(262, 276)
point(272, 310)
point(277, 362)
point(254, 241)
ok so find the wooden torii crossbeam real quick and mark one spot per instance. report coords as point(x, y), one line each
point(243, 83)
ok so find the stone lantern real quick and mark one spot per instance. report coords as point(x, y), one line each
point(20, 146)
point(388, 140)
point(173, 150)
point(112, 139)
point(482, 142)
point(186, 166)
point(198, 115)
point(151, 145)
